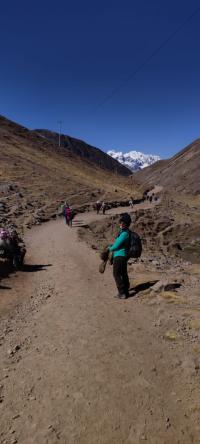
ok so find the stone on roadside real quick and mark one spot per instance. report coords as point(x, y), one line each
point(165, 285)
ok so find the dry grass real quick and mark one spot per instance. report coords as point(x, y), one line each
point(172, 335)
point(194, 324)
point(46, 175)
point(172, 297)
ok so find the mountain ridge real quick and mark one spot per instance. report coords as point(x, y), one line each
point(85, 151)
point(134, 160)
point(36, 176)
point(179, 173)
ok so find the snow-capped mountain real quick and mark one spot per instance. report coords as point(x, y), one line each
point(134, 160)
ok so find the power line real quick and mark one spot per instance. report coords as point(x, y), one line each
point(153, 54)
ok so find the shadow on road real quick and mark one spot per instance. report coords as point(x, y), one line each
point(28, 268)
point(141, 287)
point(79, 223)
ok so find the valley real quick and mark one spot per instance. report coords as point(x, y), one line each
point(76, 364)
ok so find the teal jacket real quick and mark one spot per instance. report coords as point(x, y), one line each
point(121, 244)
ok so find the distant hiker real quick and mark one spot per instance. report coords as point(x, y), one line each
point(63, 206)
point(98, 206)
point(61, 209)
point(103, 207)
point(120, 250)
point(68, 216)
point(131, 202)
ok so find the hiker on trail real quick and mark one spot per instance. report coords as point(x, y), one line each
point(103, 207)
point(120, 250)
point(131, 202)
point(68, 216)
point(98, 206)
point(63, 206)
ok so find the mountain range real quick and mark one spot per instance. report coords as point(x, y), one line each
point(134, 160)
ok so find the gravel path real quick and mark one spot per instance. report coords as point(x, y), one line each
point(80, 367)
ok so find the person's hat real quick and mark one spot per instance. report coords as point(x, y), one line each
point(125, 218)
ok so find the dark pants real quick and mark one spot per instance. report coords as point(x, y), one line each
point(68, 221)
point(120, 274)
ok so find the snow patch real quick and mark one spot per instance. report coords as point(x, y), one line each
point(134, 160)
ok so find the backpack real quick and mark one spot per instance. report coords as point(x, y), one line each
point(4, 234)
point(68, 212)
point(135, 245)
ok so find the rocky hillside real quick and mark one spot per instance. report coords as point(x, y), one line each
point(85, 151)
point(179, 173)
point(36, 175)
point(134, 160)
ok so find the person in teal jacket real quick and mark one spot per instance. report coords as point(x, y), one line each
point(120, 250)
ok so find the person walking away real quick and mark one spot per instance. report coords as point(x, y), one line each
point(103, 207)
point(68, 216)
point(98, 206)
point(131, 202)
point(120, 250)
point(63, 207)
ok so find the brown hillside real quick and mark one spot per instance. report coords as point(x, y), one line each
point(85, 151)
point(35, 175)
point(179, 173)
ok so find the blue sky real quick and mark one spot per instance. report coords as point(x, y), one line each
point(62, 60)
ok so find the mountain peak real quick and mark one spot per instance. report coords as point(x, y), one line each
point(134, 160)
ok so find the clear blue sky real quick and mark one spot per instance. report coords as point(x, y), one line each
point(61, 60)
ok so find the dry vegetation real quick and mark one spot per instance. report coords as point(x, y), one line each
point(35, 176)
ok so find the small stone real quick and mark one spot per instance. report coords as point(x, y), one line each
point(10, 352)
point(12, 431)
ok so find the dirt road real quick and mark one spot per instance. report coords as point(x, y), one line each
point(80, 367)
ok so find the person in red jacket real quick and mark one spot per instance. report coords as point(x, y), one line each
point(68, 216)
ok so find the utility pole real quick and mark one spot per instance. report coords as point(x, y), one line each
point(59, 135)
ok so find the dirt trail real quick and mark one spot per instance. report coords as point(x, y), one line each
point(80, 367)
